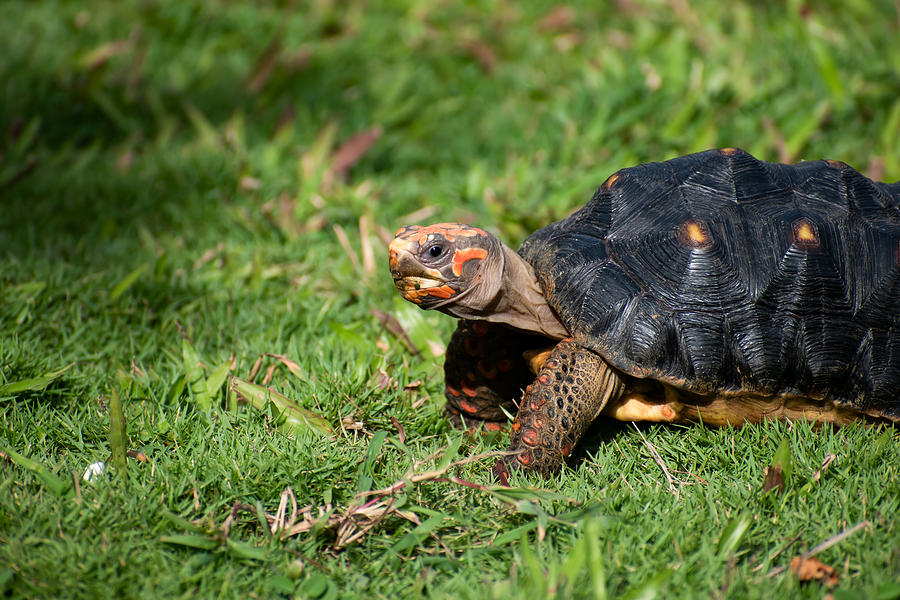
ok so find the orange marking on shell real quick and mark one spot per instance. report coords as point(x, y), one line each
point(479, 327)
point(505, 365)
point(612, 179)
point(544, 378)
point(472, 346)
point(452, 390)
point(537, 423)
point(694, 234)
point(525, 459)
point(516, 425)
point(566, 449)
point(467, 390)
point(464, 254)
point(491, 426)
point(468, 407)
point(536, 405)
point(804, 234)
point(445, 291)
point(531, 437)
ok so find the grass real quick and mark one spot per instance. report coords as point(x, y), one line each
point(171, 211)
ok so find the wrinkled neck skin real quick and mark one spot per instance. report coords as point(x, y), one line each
point(508, 292)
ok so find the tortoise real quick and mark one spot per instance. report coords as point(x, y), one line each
point(712, 288)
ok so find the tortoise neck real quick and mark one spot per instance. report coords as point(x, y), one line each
point(521, 302)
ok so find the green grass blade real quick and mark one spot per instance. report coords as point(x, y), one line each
point(293, 419)
point(35, 384)
point(117, 433)
point(128, 281)
point(54, 483)
point(732, 534)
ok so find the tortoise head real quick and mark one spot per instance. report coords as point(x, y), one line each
point(445, 265)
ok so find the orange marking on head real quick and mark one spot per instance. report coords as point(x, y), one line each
point(445, 291)
point(566, 449)
point(835, 164)
point(464, 254)
point(728, 151)
point(448, 230)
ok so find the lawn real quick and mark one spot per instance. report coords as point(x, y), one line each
point(192, 192)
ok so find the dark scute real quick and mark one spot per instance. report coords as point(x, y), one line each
point(750, 309)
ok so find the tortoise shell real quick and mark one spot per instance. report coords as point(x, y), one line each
point(717, 272)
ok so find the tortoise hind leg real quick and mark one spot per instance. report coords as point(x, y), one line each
point(485, 373)
point(571, 390)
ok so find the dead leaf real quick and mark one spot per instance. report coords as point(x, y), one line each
point(285, 118)
point(413, 385)
point(269, 373)
point(813, 569)
point(829, 458)
point(255, 368)
point(384, 381)
point(483, 54)
point(558, 18)
point(138, 456)
point(368, 255)
point(291, 365)
point(401, 432)
point(250, 183)
point(774, 479)
point(391, 323)
point(209, 255)
point(353, 149)
point(344, 241)
point(101, 54)
point(264, 66)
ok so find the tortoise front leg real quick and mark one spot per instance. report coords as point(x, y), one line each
point(571, 390)
point(485, 373)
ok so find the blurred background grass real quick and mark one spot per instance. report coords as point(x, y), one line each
point(227, 173)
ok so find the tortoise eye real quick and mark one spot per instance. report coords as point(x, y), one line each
point(435, 251)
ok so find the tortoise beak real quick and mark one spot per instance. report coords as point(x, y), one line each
point(416, 282)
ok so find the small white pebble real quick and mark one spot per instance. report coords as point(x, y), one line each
point(93, 470)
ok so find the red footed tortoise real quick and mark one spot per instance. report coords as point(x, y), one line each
point(713, 287)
